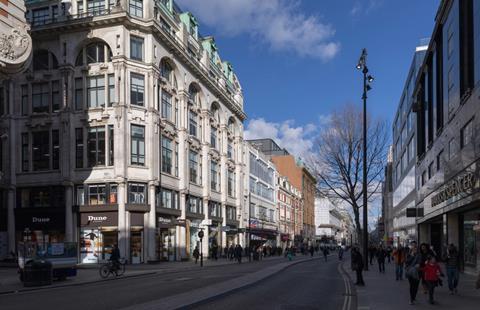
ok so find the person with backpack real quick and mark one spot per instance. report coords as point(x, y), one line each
point(431, 274)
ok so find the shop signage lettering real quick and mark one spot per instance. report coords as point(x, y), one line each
point(454, 188)
point(92, 218)
point(40, 219)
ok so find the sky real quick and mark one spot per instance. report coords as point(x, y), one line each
point(296, 59)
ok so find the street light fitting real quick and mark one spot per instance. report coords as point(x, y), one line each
point(369, 87)
point(370, 79)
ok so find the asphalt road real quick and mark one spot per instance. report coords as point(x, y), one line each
point(310, 285)
point(307, 285)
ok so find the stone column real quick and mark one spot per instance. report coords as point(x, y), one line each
point(182, 172)
point(150, 225)
point(122, 224)
point(69, 237)
point(453, 229)
point(11, 220)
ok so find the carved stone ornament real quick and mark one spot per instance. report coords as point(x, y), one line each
point(15, 49)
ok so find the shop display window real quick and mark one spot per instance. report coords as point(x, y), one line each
point(39, 197)
point(137, 193)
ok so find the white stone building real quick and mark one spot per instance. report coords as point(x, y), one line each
point(261, 190)
point(127, 128)
point(331, 221)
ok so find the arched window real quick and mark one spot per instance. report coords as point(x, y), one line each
point(96, 52)
point(44, 60)
point(215, 112)
point(166, 69)
point(231, 125)
point(194, 94)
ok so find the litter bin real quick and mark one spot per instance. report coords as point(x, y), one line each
point(37, 273)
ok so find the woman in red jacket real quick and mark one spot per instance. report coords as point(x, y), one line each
point(431, 275)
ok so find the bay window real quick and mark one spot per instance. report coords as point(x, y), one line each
point(193, 166)
point(137, 193)
point(96, 146)
point(137, 145)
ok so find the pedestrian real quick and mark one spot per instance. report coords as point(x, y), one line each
point(425, 252)
point(312, 250)
point(340, 253)
point(452, 264)
point(412, 271)
point(290, 253)
point(196, 254)
point(225, 252)
point(325, 253)
point(389, 254)
point(399, 260)
point(381, 254)
point(238, 253)
point(231, 252)
point(432, 273)
point(357, 265)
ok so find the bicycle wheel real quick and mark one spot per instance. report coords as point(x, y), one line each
point(121, 269)
point(104, 271)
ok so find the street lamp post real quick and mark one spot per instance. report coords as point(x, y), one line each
point(249, 227)
point(200, 235)
point(367, 79)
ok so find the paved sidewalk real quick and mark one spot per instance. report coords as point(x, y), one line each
point(9, 280)
point(383, 292)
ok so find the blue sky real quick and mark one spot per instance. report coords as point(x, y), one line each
point(296, 58)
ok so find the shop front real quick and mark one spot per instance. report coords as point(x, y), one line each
point(3, 233)
point(470, 223)
point(166, 243)
point(193, 240)
point(98, 236)
point(40, 225)
point(215, 237)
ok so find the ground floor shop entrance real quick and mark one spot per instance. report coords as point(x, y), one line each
point(98, 234)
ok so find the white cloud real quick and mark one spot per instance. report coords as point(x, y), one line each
point(298, 140)
point(278, 23)
point(365, 7)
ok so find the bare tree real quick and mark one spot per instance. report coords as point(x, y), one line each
point(337, 158)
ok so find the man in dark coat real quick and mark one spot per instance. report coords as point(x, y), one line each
point(357, 265)
point(238, 253)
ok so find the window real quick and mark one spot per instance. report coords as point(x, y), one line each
point(55, 149)
point(193, 94)
point(192, 121)
point(95, 7)
point(138, 145)
point(213, 137)
point(44, 60)
point(39, 197)
point(79, 147)
point(176, 159)
point(40, 16)
point(137, 89)
point(195, 204)
point(193, 166)
point(25, 152)
point(167, 198)
point(96, 146)
point(167, 155)
point(166, 106)
point(476, 34)
point(404, 161)
point(466, 134)
point(136, 48)
point(424, 178)
point(451, 149)
point(40, 97)
point(411, 149)
point(56, 99)
point(166, 70)
point(80, 195)
point(176, 112)
point(78, 93)
point(97, 194)
point(214, 209)
point(111, 144)
point(231, 183)
point(439, 160)
point(231, 213)
point(96, 52)
point(213, 176)
point(3, 102)
point(136, 8)
point(111, 90)
point(137, 193)
point(229, 150)
point(431, 170)
point(96, 91)
point(41, 150)
point(24, 100)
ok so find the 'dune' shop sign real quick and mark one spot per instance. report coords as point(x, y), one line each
point(99, 219)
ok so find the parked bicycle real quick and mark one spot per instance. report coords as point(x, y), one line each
point(112, 268)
